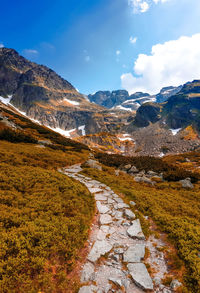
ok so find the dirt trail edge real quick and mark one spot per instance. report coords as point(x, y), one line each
point(117, 244)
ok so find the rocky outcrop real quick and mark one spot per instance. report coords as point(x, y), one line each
point(122, 99)
point(166, 93)
point(109, 99)
point(186, 183)
point(146, 114)
point(46, 97)
point(183, 109)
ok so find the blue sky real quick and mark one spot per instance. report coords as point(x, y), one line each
point(94, 44)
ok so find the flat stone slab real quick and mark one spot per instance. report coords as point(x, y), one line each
point(122, 205)
point(100, 197)
point(101, 235)
point(99, 248)
point(119, 215)
point(87, 289)
point(134, 253)
point(87, 272)
point(94, 189)
point(135, 230)
point(105, 228)
point(140, 276)
point(110, 201)
point(102, 208)
point(116, 281)
point(129, 214)
point(105, 219)
point(118, 199)
point(73, 169)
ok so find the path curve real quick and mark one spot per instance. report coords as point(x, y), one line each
point(117, 244)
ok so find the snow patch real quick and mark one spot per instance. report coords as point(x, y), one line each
point(86, 98)
point(72, 102)
point(132, 101)
point(66, 133)
point(126, 137)
point(123, 108)
point(82, 128)
point(175, 131)
point(6, 101)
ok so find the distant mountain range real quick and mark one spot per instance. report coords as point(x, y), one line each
point(121, 99)
point(168, 121)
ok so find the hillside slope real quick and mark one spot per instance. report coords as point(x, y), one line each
point(45, 216)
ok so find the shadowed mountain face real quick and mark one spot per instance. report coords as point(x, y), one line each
point(180, 110)
point(45, 96)
point(184, 108)
point(119, 98)
point(28, 82)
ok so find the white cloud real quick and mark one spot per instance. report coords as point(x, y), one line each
point(133, 40)
point(172, 63)
point(30, 53)
point(87, 58)
point(1, 45)
point(162, 1)
point(144, 6)
point(141, 6)
point(118, 52)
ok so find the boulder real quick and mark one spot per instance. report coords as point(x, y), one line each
point(152, 173)
point(135, 230)
point(93, 164)
point(175, 284)
point(133, 169)
point(127, 167)
point(144, 179)
point(129, 214)
point(140, 276)
point(132, 203)
point(186, 183)
point(157, 281)
point(99, 249)
point(134, 253)
point(117, 172)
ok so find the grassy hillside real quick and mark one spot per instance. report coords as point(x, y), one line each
point(175, 210)
point(45, 216)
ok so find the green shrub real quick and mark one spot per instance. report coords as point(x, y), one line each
point(147, 163)
point(16, 136)
point(45, 217)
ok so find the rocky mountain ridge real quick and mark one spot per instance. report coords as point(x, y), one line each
point(45, 96)
point(120, 99)
point(42, 95)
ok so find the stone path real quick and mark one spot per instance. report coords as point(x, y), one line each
point(117, 244)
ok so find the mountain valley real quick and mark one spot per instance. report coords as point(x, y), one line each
point(87, 187)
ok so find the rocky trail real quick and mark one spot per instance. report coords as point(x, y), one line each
point(116, 245)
